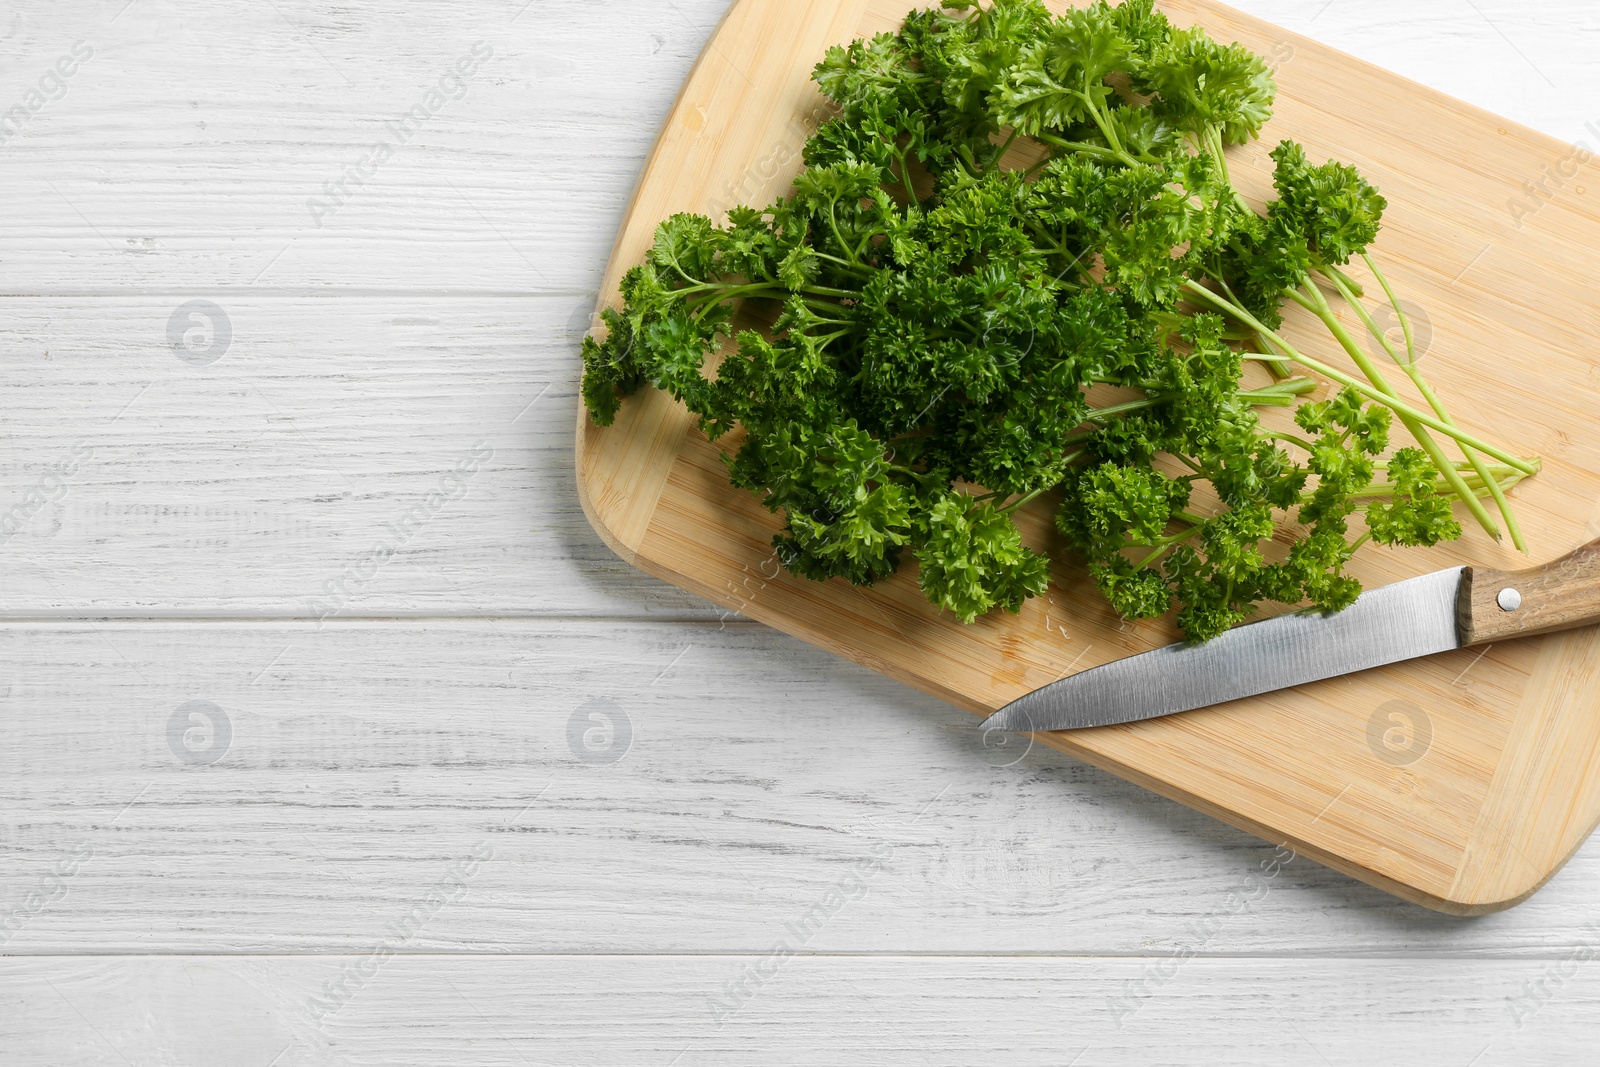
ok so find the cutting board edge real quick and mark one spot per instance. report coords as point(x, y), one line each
point(1063, 743)
point(1406, 891)
point(619, 543)
point(634, 549)
point(1419, 88)
point(600, 516)
point(591, 508)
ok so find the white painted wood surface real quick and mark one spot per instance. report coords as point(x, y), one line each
point(401, 758)
point(949, 1011)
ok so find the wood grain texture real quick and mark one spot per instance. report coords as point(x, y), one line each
point(752, 773)
point(917, 1012)
point(375, 754)
point(260, 483)
point(1505, 605)
point(171, 176)
point(168, 189)
point(1307, 767)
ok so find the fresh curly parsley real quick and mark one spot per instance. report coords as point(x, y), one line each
point(1015, 265)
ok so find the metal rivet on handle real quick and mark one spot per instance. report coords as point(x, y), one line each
point(1509, 599)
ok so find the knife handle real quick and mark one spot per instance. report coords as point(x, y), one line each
point(1498, 605)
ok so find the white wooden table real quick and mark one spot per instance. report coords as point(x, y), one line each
point(332, 735)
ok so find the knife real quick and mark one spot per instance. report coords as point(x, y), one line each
point(1458, 608)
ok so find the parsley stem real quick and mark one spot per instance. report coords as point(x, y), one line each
point(1337, 275)
point(1409, 365)
point(1389, 489)
point(1024, 501)
point(1046, 239)
point(1320, 307)
point(722, 294)
point(733, 290)
point(1364, 388)
point(1043, 163)
point(833, 224)
point(1167, 544)
point(1218, 151)
point(1496, 470)
point(1099, 152)
point(855, 268)
point(1152, 557)
point(1271, 396)
point(1113, 410)
point(681, 272)
point(1214, 146)
point(1107, 130)
point(905, 175)
point(1293, 440)
point(1006, 147)
point(1278, 370)
point(1281, 394)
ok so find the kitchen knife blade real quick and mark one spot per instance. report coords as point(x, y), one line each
point(1413, 618)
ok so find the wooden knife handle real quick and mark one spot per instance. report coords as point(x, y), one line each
point(1564, 595)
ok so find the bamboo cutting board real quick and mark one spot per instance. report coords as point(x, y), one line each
point(1462, 782)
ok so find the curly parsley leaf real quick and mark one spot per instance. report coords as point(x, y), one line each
point(937, 327)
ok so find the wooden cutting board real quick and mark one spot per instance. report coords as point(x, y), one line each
point(1462, 782)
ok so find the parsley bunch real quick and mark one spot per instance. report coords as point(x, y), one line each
point(1015, 265)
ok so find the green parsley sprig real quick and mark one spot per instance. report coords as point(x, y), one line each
point(1015, 265)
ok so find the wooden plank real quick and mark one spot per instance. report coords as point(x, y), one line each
point(254, 190)
point(137, 478)
point(350, 765)
point(231, 176)
point(802, 1010)
point(133, 179)
point(393, 762)
point(1496, 283)
point(517, 184)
